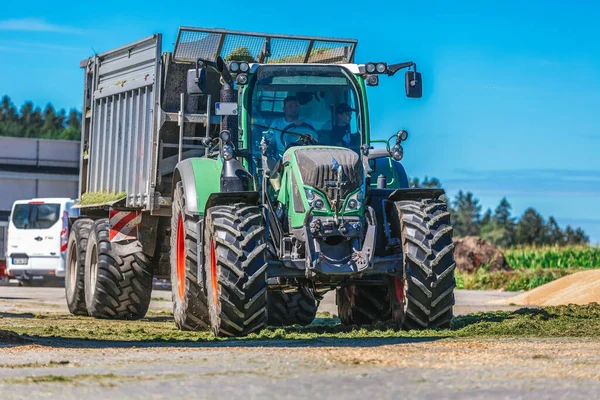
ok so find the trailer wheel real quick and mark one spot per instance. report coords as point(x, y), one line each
point(363, 305)
point(118, 277)
point(190, 308)
point(291, 308)
point(75, 271)
point(235, 269)
point(424, 296)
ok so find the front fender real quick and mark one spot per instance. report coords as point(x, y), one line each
point(200, 178)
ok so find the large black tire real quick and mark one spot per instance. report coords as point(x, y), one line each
point(291, 308)
point(190, 308)
point(118, 277)
point(75, 271)
point(423, 298)
point(235, 269)
point(363, 305)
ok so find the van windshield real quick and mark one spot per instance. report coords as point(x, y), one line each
point(35, 216)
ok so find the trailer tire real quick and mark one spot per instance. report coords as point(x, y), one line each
point(291, 308)
point(424, 296)
point(118, 277)
point(190, 308)
point(75, 271)
point(235, 269)
point(363, 305)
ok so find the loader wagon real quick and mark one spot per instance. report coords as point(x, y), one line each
point(241, 167)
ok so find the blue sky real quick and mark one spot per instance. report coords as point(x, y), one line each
point(511, 103)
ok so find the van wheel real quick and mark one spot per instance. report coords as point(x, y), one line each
point(74, 275)
point(118, 277)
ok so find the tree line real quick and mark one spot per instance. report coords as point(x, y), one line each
point(499, 226)
point(31, 122)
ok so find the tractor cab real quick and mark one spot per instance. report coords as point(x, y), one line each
point(294, 105)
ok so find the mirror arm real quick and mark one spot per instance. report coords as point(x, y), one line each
point(392, 69)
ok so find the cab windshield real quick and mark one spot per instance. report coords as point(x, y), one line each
point(288, 103)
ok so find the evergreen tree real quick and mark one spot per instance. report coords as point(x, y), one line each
point(30, 122)
point(553, 234)
point(531, 228)
point(466, 214)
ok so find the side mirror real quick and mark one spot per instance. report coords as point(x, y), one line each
point(413, 84)
point(196, 81)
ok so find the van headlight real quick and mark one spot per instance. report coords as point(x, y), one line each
point(355, 201)
point(314, 199)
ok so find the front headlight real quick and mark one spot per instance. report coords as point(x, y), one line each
point(355, 201)
point(314, 199)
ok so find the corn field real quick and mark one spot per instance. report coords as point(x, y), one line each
point(553, 257)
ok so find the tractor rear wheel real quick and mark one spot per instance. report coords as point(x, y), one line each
point(363, 305)
point(190, 309)
point(118, 277)
point(74, 274)
point(424, 296)
point(235, 269)
point(291, 308)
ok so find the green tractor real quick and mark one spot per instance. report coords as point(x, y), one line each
point(280, 197)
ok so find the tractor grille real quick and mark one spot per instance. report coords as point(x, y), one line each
point(315, 166)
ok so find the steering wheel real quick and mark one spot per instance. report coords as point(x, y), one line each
point(304, 138)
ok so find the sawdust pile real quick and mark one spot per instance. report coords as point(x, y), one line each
point(579, 288)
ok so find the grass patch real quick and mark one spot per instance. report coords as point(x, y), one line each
point(515, 280)
point(92, 198)
point(560, 321)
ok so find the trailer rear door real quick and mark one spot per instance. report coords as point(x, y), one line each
point(123, 129)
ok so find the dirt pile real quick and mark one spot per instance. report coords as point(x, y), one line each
point(579, 288)
point(471, 252)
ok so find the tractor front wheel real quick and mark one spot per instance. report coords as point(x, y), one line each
point(423, 297)
point(235, 269)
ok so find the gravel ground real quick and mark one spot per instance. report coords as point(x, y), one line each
point(434, 367)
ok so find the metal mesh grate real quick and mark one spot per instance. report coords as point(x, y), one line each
point(194, 43)
point(330, 53)
point(284, 51)
point(242, 48)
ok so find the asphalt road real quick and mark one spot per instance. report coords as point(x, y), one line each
point(433, 367)
point(52, 299)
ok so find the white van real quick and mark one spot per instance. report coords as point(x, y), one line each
point(38, 232)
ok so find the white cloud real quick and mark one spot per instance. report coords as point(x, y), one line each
point(35, 25)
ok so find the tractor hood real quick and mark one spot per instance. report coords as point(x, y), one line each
point(318, 169)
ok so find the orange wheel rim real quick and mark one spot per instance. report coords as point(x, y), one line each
point(180, 258)
point(213, 273)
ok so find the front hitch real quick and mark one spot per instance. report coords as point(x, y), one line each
point(356, 262)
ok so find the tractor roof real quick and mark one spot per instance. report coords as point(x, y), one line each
point(208, 44)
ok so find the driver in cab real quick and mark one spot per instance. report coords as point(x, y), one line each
point(290, 122)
